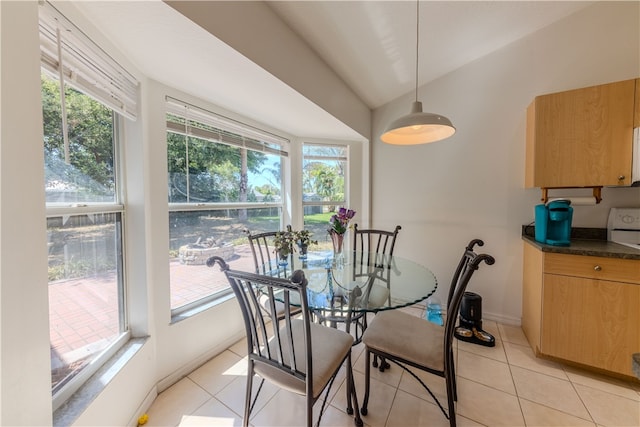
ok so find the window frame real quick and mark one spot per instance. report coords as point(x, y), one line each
point(61, 395)
point(229, 128)
point(347, 171)
point(72, 59)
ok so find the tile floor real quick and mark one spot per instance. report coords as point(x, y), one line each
point(500, 386)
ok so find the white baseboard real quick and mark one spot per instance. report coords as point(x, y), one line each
point(505, 320)
point(144, 406)
point(185, 370)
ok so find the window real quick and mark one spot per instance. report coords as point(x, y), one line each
point(84, 205)
point(224, 177)
point(324, 176)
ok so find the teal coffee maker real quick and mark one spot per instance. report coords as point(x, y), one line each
point(553, 223)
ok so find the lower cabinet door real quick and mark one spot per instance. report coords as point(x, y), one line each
point(592, 322)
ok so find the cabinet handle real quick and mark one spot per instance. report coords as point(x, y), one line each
point(621, 177)
point(597, 268)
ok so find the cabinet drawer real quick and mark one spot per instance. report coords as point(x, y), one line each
point(613, 269)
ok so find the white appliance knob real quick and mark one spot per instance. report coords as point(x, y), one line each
point(628, 219)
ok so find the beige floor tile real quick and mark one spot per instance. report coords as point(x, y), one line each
point(522, 355)
point(549, 391)
point(389, 376)
point(486, 371)
point(602, 382)
point(357, 351)
point(176, 402)
point(334, 417)
point(512, 334)
point(212, 413)
point(488, 406)
point(380, 400)
point(284, 409)
point(240, 348)
point(543, 416)
point(609, 409)
point(435, 383)
point(233, 395)
point(496, 352)
point(410, 411)
point(288, 409)
point(217, 373)
point(550, 394)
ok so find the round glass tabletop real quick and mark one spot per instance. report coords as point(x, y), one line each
point(384, 283)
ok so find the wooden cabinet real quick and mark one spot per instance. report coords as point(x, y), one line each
point(636, 116)
point(582, 309)
point(581, 137)
point(532, 295)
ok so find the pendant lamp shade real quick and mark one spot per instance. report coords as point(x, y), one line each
point(418, 127)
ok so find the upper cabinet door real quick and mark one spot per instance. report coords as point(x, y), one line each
point(582, 137)
point(636, 116)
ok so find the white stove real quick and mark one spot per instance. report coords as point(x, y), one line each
point(624, 227)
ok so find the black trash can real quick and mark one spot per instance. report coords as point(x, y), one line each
point(470, 328)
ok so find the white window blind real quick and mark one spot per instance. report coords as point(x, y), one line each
point(186, 119)
point(65, 50)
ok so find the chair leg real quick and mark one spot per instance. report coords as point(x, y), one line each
point(367, 372)
point(450, 380)
point(310, 412)
point(350, 387)
point(247, 403)
point(383, 364)
point(351, 390)
point(454, 380)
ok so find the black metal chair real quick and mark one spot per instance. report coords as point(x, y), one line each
point(266, 257)
point(378, 244)
point(266, 260)
point(412, 342)
point(294, 353)
point(373, 249)
point(373, 253)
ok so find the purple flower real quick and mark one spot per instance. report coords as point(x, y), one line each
point(340, 221)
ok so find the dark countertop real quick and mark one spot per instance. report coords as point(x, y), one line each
point(586, 242)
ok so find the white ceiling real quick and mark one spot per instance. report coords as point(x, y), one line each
point(371, 45)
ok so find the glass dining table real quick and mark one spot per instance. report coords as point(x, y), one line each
point(375, 282)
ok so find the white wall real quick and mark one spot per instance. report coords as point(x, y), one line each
point(25, 367)
point(472, 184)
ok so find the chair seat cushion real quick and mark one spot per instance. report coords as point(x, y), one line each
point(330, 347)
point(265, 302)
point(377, 297)
point(409, 337)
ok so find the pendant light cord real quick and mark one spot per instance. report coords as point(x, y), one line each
point(417, 42)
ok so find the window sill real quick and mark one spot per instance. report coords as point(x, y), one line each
point(78, 403)
point(199, 308)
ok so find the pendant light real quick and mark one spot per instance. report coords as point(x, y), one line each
point(417, 127)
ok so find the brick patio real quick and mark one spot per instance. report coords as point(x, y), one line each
point(83, 315)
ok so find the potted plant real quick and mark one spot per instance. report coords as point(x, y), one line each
point(303, 239)
point(283, 243)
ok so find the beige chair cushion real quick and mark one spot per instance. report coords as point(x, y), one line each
point(377, 297)
point(293, 309)
point(409, 337)
point(330, 347)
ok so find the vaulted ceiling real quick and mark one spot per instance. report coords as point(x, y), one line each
point(370, 45)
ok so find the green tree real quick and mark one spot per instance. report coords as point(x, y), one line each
point(90, 132)
point(217, 172)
